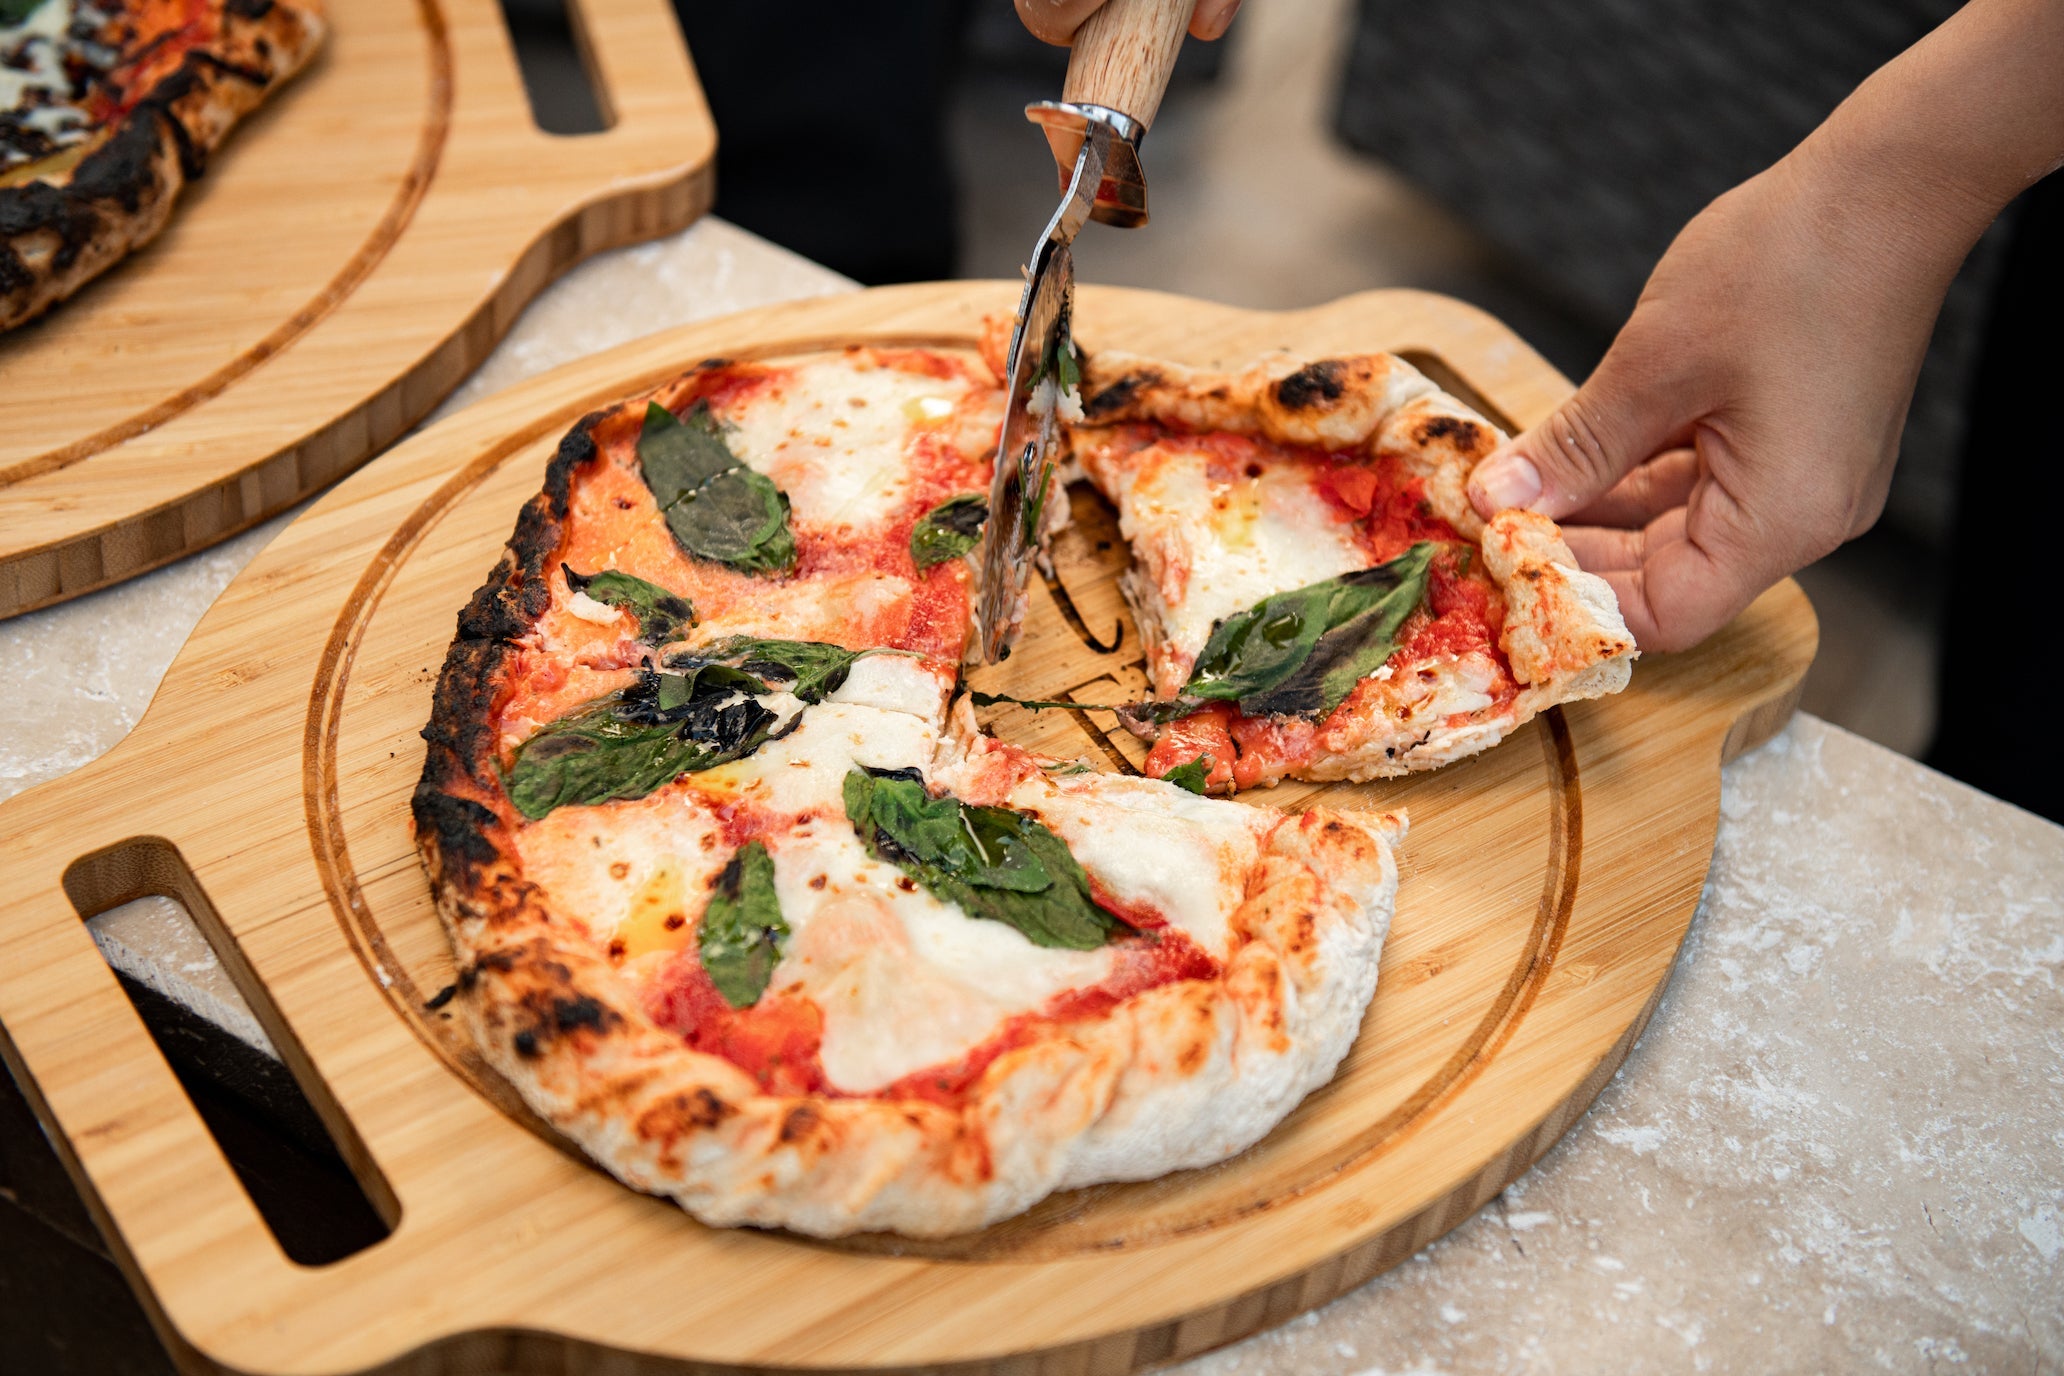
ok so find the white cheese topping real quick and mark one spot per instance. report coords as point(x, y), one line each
point(1239, 540)
point(33, 84)
point(832, 436)
point(1152, 844)
point(588, 609)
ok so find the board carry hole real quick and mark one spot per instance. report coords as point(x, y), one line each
point(559, 79)
point(286, 1140)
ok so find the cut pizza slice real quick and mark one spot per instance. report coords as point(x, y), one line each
point(107, 109)
point(1317, 597)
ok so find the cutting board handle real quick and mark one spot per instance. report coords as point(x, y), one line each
point(92, 1072)
point(637, 62)
point(1124, 53)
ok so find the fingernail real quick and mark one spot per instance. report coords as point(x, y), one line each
point(1508, 481)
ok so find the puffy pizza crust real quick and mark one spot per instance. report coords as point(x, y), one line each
point(1563, 635)
point(59, 231)
point(1293, 910)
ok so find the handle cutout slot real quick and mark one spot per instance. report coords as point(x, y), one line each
point(296, 1155)
point(560, 78)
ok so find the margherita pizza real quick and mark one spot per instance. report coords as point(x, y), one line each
point(744, 902)
point(743, 909)
point(107, 109)
point(1317, 596)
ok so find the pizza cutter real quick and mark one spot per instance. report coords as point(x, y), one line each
point(1117, 72)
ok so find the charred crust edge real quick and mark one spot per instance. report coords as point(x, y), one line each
point(1313, 386)
point(1114, 400)
point(456, 829)
point(120, 194)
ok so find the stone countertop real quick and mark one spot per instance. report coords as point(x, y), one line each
point(1840, 1144)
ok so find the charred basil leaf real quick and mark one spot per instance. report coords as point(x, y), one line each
point(639, 739)
point(1301, 653)
point(818, 669)
point(742, 931)
point(717, 508)
point(1190, 774)
point(995, 863)
point(662, 615)
point(948, 530)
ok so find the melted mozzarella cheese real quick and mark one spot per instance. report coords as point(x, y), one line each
point(904, 980)
point(833, 435)
point(862, 607)
point(898, 683)
point(1238, 542)
point(1155, 845)
point(33, 83)
point(609, 865)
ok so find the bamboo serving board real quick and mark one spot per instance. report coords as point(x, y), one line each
point(1547, 885)
point(355, 249)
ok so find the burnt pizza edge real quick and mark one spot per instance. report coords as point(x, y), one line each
point(56, 236)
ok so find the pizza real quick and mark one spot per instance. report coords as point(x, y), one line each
point(1317, 597)
point(746, 905)
point(107, 109)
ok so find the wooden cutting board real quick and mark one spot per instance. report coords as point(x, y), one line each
point(1546, 888)
point(355, 249)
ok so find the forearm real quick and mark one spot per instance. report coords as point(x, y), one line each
point(1934, 145)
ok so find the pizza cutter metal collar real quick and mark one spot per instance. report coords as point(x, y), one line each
point(1119, 67)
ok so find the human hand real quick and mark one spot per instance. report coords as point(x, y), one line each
point(1055, 21)
point(1746, 420)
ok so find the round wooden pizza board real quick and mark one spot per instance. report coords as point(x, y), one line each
point(1546, 887)
point(355, 249)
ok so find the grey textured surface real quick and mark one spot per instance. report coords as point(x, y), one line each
point(1839, 1146)
point(1581, 136)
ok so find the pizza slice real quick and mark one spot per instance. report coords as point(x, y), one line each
point(746, 911)
point(107, 109)
point(1317, 597)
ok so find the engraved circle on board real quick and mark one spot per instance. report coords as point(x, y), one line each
point(411, 183)
point(1097, 1218)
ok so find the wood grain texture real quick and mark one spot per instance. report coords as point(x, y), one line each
point(356, 248)
point(1546, 888)
point(1124, 54)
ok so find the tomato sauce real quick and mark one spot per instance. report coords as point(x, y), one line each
point(779, 1040)
point(1164, 956)
point(158, 38)
point(776, 1041)
point(1463, 613)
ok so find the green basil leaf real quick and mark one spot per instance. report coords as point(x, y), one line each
point(717, 508)
point(1067, 366)
point(948, 530)
point(817, 668)
point(741, 934)
point(1300, 653)
point(13, 12)
point(662, 615)
point(1190, 774)
point(639, 739)
point(994, 863)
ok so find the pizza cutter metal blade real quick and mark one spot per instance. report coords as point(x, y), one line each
point(1116, 73)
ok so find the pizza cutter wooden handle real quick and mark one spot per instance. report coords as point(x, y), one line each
point(1123, 54)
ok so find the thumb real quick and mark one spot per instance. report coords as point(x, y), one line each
point(1614, 422)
